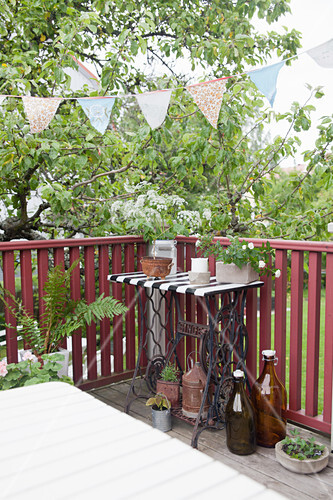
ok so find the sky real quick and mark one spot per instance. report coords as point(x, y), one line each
point(314, 19)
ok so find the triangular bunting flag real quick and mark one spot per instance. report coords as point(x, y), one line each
point(2, 98)
point(323, 54)
point(208, 97)
point(154, 106)
point(40, 111)
point(265, 79)
point(98, 110)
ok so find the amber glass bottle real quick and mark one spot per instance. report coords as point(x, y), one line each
point(269, 399)
point(240, 422)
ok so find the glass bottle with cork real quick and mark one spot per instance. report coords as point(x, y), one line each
point(269, 399)
point(240, 420)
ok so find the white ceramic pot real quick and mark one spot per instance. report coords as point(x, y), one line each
point(308, 466)
point(230, 273)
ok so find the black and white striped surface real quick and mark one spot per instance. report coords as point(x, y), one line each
point(180, 283)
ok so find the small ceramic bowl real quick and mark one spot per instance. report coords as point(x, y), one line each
point(198, 278)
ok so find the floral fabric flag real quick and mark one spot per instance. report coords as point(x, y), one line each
point(40, 111)
point(265, 79)
point(208, 97)
point(154, 106)
point(323, 54)
point(98, 110)
point(2, 98)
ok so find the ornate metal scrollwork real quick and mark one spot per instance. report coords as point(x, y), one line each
point(154, 368)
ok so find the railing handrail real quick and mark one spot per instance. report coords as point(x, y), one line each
point(305, 246)
point(69, 242)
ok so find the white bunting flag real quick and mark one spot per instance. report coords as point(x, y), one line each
point(323, 54)
point(98, 110)
point(40, 111)
point(2, 98)
point(208, 97)
point(154, 106)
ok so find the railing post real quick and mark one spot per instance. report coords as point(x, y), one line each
point(280, 309)
point(9, 284)
point(296, 329)
point(312, 365)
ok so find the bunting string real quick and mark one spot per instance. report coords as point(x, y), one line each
point(154, 105)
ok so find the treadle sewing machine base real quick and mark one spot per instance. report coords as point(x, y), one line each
point(223, 343)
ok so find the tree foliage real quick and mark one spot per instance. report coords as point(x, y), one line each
point(77, 175)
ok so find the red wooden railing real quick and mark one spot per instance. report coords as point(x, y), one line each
point(281, 328)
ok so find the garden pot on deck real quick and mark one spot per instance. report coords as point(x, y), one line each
point(307, 466)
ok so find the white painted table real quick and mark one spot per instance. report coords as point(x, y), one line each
point(58, 442)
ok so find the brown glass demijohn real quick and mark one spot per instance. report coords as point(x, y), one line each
point(269, 399)
point(240, 420)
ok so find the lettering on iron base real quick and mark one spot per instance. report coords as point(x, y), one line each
point(192, 329)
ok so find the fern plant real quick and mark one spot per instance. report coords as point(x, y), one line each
point(62, 316)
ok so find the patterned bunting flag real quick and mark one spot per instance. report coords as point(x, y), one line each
point(265, 79)
point(154, 106)
point(323, 54)
point(40, 111)
point(98, 110)
point(2, 98)
point(208, 97)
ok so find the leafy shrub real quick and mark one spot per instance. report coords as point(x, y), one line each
point(30, 372)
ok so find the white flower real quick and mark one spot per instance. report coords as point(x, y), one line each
point(277, 273)
point(207, 214)
point(261, 264)
point(244, 247)
point(251, 246)
point(197, 243)
point(28, 355)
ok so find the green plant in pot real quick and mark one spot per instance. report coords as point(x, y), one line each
point(62, 316)
point(160, 411)
point(169, 384)
point(239, 261)
point(301, 455)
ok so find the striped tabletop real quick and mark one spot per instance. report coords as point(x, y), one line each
point(180, 283)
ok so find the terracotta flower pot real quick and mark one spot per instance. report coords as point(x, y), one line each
point(170, 389)
point(156, 267)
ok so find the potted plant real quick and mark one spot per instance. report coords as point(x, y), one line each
point(169, 384)
point(304, 456)
point(62, 316)
point(239, 262)
point(160, 412)
point(30, 371)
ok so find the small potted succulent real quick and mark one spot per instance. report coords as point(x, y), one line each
point(169, 384)
point(160, 412)
point(240, 261)
point(304, 456)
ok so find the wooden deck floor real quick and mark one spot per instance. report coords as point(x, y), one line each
point(260, 466)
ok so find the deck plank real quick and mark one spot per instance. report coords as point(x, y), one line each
point(260, 466)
